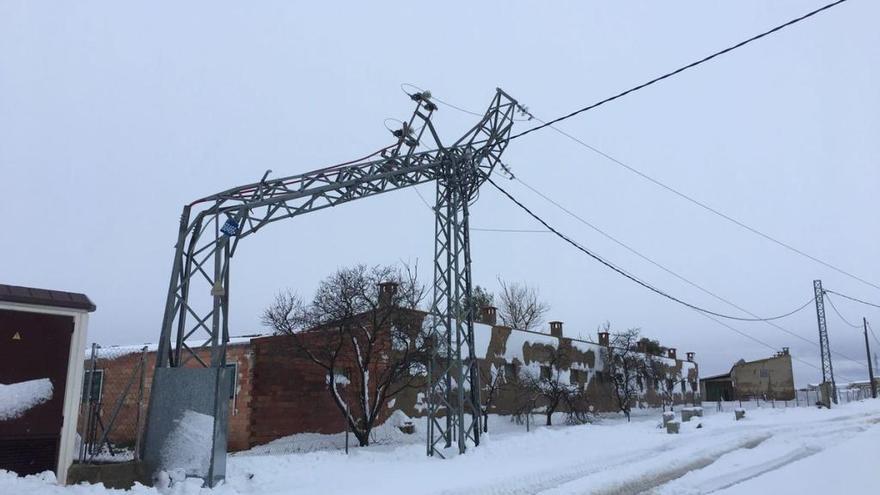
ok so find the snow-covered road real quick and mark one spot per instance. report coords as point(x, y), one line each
point(793, 450)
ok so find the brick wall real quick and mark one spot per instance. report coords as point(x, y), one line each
point(120, 366)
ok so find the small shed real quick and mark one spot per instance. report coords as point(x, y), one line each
point(42, 343)
point(718, 387)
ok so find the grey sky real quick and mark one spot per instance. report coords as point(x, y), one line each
point(114, 115)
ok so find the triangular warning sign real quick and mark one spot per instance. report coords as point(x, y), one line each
point(17, 336)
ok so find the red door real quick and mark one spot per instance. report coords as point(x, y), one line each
point(33, 347)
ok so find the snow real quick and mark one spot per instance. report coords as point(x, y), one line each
point(185, 448)
point(482, 338)
point(338, 378)
point(18, 398)
point(773, 450)
point(117, 351)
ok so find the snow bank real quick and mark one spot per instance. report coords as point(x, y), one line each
point(18, 398)
point(794, 450)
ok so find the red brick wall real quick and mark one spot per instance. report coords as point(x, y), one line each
point(290, 392)
point(118, 372)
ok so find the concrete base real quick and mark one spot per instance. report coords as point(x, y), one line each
point(691, 412)
point(121, 475)
point(672, 427)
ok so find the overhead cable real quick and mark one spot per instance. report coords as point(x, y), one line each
point(672, 272)
point(688, 198)
point(839, 315)
point(680, 69)
point(631, 277)
point(853, 298)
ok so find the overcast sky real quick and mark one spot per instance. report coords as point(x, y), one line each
point(114, 114)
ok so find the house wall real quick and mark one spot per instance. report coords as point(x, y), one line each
point(770, 378)
point(290, 392)
point(281, 392)
point(119, 364)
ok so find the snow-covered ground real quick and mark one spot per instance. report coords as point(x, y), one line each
point(774, 451)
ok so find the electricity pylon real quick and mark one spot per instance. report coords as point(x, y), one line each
point(195, 322)
point(824, 347)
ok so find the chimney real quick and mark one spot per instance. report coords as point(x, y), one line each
point(488, 315)
point(690, 357)
point(387, 290)
point(556, 329)
point(785, 351)
point(671, 353)
point(603, 339)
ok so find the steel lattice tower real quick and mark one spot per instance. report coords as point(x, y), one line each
point(197, 305)
point(824, 347)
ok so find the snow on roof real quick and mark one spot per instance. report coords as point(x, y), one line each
point(482, 337)
point(519, 339)
point(117, 351)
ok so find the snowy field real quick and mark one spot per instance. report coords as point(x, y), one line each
point(772, 451)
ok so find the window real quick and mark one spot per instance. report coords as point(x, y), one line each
point(545, 373)
point(234, 382)
point(97, 386)
point(510, 372)
point(683, 391)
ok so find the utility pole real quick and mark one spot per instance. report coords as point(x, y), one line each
point(824, 348)
point(870, 367)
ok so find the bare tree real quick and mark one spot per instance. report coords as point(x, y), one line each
point(658, 372)
point(520, 306)
point(623, 366)
point(550, 387)
point(359, 337)
point(286, 315)
point(493, 379)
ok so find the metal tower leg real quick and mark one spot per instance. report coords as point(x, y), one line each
point(453, 389)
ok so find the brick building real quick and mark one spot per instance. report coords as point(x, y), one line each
point(279, 391)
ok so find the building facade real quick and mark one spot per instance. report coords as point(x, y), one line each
point(769, 378)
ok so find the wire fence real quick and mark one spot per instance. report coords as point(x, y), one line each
point(112, 412)
point(802, 398)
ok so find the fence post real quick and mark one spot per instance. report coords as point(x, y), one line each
point(89, 408)
point(140, 401)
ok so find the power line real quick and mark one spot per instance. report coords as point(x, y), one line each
point(686, 197)
point(630, 276)
point(853, 298)
point(679, 70)
point(714, 210)
point(765, 344)
point(673, 273)
point(627, 247)
point(513, 231)
point(831, 302)
point(873, 334)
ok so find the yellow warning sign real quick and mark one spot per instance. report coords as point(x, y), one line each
point(17, 336)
